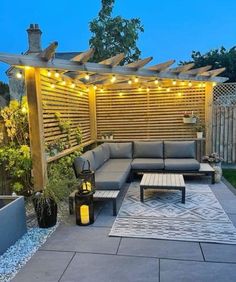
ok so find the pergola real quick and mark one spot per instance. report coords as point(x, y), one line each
point(134, 101)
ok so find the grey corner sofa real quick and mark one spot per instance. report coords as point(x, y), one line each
point(115, 163)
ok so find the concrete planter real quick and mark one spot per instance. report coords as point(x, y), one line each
point(190, 120)
point(12, 219)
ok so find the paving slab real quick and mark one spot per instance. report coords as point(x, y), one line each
point(111, 268)
point(232, 217)
point(105, 218)
point(160, 249)
point(44, 267)
point(219, 252)
point(190, 271)
point(82, 239)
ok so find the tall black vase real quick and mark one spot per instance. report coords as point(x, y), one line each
point(46, 212)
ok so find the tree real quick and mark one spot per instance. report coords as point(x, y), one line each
point(114, 35)
point(217, 58)
point(4, 88)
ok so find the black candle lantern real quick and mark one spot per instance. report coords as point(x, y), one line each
point(84, 196)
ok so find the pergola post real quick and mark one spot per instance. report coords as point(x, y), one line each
point(92, 110)
point(208, 116)
point(33, 91)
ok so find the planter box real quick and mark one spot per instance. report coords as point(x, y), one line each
point(189, 120)
point(199, 135)
point(13, 220)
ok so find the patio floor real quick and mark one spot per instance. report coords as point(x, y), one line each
point(76, 253)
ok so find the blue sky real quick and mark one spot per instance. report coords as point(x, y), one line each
point(172, 28)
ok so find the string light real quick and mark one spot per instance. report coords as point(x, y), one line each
point(130, 81)
point(156, 81)
point(19, 75)
point(63, 82)
point(182, 83)
point(168, 89)
point(148, 89)
point(56, 74)
point(136, 79)
point(49, 74)
point(140, 88)
point(113, 79)
point(72, 85)
point(95, 87)
point(87, 77)
point(24, 110)
point(101, 90)
point(174, 82)
point(214, 84)
point(190, 84)
point(179, 94)
point(159, 88)
point(120, 94)
point(52, 86)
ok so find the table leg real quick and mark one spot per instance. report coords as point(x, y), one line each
point(114, 207)
point(141, 194)
point(183, 195)
point(213, 177)
point(71, 205)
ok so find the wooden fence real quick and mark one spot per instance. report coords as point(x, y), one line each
point(224, 122)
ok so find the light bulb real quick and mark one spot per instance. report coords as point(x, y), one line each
point(174, 82)
point(190, 84)
point(87, 77)
point(19, 75)
point(140, 88)
point(159, 88)
point(24, 110)
point(156, 81)
point(49, 74)
point(52, 85)
point(136, 79)
point(168, 89)
point(95, 87)
point(72, 85)
point(101, 90)
point(179, 94)
point(148, 89)
point(182, 83)
point(63, 82)
point(56, 74)
point(130, 81)
point(113, 79)
point(120, 94)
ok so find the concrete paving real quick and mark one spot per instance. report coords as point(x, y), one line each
point(75, 253)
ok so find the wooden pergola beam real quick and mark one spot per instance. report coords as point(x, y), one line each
point(213, 73)
point(162, 66)
point(182, 69)
point(49, 52)
point(83, 57)
point(59, 64)
point(139, 64)
point(113, 61)
point(198, 71)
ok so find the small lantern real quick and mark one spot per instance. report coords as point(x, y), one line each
point(84, 196)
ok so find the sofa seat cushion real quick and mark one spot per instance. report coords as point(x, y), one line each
point(120, 150)
point(116, 165)
point(181, 164)
point(179, 149)
point(153, 149)
point(147, 164)
point(111, 180)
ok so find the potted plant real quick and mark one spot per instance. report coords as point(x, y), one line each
point(199, 128)
point(189, 118)
point(78, 135)
point(215, 161)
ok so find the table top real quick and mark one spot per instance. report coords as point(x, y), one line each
point(165, 180)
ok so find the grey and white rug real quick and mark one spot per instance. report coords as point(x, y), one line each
point(163, 216)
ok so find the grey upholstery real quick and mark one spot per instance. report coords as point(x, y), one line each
point(89, 156)
point(148, 149)
point(99, 156)
point(181, 164)
point(106, 151)
point(120, 150)
point(116, 165)
point(111, 181)
point(179, 149)
point(147, 164)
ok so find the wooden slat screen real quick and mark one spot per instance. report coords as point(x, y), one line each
point(158, 114)
point(71, 103)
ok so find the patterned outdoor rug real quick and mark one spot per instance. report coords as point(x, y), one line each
point(163, 216)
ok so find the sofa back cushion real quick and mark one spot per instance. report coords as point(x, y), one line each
point(99, 156)
point(106, 151)
point(120, 150)
point(81, 163)
point(179, 149)
point(152, 149)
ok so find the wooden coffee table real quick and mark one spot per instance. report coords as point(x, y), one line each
point(169, 181)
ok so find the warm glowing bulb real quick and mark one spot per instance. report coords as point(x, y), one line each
point(130, 81)
point(159, 88)
point(95, 87)
point(52, 85)
point(174, 82)
point(19, 75)
point(49, 73)
point(190, 84)
point(168, 89)
point(204, 84)
point(87, 76)
point(214, 84)
point(24, 110)
point(80, 93)
point(63, 82)
point(113, 79)
point(101, 90)
point(148, 89)
point(56, 74)
point(136, 79)
point(72, 85)
point(156, 81)
point(179, 94)
point(120, 94)
point(140, 88)
point(182, 83)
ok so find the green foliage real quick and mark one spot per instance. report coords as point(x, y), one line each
point(230, 175)
point(114, 35)
point(4, 88)
point(78, 135)
point(217, 58)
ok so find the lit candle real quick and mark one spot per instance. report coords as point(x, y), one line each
point(84, 214)
point(87, 186)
